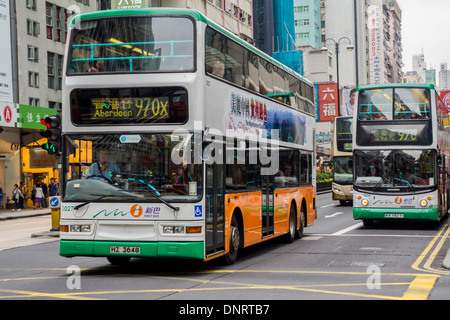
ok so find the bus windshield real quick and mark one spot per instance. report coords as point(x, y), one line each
point(344, 134)
point(399, 169)
point(394, 104)
point(132, 44)
point(117, 167)
point(342, 168)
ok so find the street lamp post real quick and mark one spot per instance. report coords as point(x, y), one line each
point(350, 47)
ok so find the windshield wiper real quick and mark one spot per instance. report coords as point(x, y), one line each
point(158, 196)
point(407, 182)
point(100, 198)
point(378, 184)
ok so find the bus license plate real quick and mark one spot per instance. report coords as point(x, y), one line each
point(393, 215)
point(124, 249)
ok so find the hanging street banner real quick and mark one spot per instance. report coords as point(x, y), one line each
point(327, 101)
point(376, 57)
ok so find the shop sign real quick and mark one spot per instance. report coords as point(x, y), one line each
point(30, 116)
point(40, 159)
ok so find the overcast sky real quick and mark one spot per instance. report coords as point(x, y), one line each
point(425, 26)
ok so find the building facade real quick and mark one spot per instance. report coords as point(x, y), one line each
point(346, 22)
point(37, 31)
point(307, 21)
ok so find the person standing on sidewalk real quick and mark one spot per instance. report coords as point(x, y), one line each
point(16, 195)
point(53, 187)
point(39, 196)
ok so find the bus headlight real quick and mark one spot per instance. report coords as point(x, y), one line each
point(80, 228)
point(365, 202)
point(423, 203)
point(173, 229)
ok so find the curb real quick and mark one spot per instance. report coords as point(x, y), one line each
point(446, 262)
point(53, 234)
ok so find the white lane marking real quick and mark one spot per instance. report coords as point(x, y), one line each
point(328, 205)
point(334, 215)
point(360, 224)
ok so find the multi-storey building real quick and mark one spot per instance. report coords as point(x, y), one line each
point(41, 37)
point(393, 46)
point(444, 75)
point(346, 22)
point(308, 31)
point(419, 65)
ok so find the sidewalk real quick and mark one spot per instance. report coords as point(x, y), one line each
point(6, 214)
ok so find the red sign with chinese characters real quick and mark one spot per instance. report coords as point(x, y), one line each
point(328, 101)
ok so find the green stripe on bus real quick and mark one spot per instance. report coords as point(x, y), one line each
point(188, 250)
point(380, 213)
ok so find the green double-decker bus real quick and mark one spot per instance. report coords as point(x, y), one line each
point(400, 152)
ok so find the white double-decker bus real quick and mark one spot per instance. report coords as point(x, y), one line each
point(180, 140)
point(400, 153)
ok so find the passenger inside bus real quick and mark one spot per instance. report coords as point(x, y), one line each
point(98, 67)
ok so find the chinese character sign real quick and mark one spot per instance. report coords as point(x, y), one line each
point(376, 57)
point(328, 101)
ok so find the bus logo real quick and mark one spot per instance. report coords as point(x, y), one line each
point(136, 211)
point(398, 200)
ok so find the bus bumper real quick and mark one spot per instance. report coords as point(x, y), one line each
point(391, 213)
point(187, 250)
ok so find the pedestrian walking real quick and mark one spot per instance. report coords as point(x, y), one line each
point(53, 187)
point(16, 196)
point(39, 196)
point(33, 195)
point(44, 190)
point(22, 191)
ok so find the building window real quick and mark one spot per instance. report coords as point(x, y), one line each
point(33, 54)
point(56, 20)
point(33, 101)
point(54, 68)
point(31, 4)
point(301, 9)
point(33, 79)
point(33, 28)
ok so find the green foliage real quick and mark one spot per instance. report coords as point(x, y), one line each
point(324, 177)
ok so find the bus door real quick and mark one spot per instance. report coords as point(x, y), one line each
point(215, 205)
point(268, 188)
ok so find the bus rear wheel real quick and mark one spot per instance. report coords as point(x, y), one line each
point(235, 242)
point(291, 235)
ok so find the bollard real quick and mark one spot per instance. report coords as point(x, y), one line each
point(56, 215)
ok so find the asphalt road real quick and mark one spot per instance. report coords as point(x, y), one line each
point(338, 259)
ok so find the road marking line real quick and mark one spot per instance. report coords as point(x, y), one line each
point(326, 206)
point(427, 265)
point(420, 288)
point(334, 215)
point(356, 226)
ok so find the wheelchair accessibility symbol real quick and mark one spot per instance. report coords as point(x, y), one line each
point(198, 212)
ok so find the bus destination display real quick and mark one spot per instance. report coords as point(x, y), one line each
point(129, 106)
point(393, 135)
